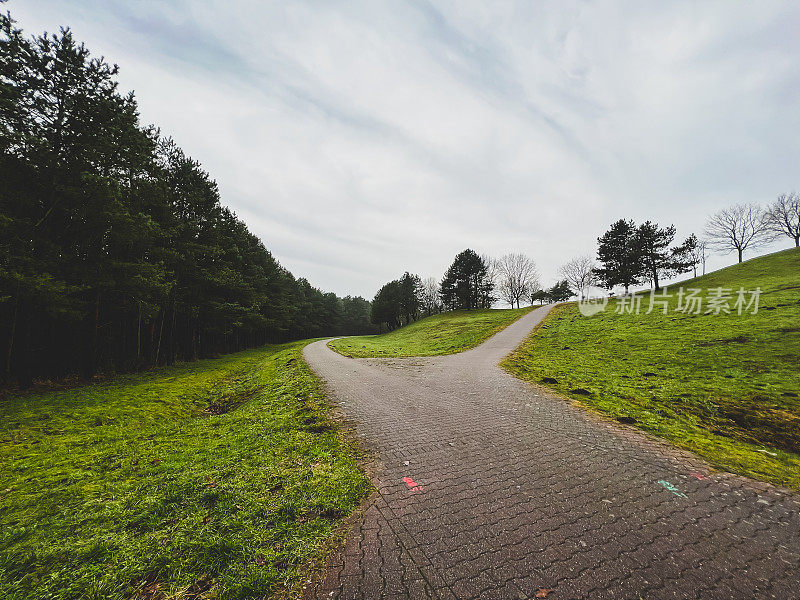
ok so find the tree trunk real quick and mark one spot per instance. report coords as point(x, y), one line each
point(172, 336)
point(24, 366)
point(122, 360)
point(11, 335)
point(797, 241)
point(740, 254)
point(90, 340)
point(160, 333)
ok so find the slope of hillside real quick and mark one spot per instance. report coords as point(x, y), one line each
point(722, 384)
point(446, 333)
point(220, 478)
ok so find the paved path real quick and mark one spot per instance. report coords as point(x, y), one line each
point(491, 488)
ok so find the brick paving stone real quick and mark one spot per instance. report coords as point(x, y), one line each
point(520, 490)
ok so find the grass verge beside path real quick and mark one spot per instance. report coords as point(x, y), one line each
point(222, 478)
point(723, 386)
point(447, 333)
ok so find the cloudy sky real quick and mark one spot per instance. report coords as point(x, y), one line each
point(360, 140)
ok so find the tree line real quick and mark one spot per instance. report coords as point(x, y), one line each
point(631, 255)
point(472, 281)
point(627, 255)
point(116, 253)
point(467, 284)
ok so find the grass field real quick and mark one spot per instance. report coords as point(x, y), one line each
point(447, 333)
point(216, 479)
point(723, 385)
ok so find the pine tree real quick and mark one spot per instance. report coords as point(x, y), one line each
point(410, 290)
point(465, 284)
point(115, 250)
point(560, 292)
point(386, 306)
point(620, 257)
point(653, 244)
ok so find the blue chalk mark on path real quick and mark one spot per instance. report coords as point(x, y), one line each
point(672, 488)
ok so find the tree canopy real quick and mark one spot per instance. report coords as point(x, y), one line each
point(738, 228)
point(115, 250)
point(517, 276)
point(783, 217)
point(629, 255)
point(466, 284)
point(619, 256)
point(398, 301)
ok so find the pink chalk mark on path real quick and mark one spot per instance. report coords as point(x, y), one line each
point(699, 476)
point(412, 484)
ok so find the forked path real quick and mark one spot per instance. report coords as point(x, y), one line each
point(491, 488)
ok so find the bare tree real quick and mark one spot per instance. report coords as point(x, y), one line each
point(491, 279)
point(579, 272)
point(492, 269)
point(783, 216)
point(738, 228)
point(517, 277)
point(429, 296)
point(698, 254)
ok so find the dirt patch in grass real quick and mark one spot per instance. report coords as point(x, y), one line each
point(231, 401)
point(765, 425)
point(148, 588)
point(739, 339)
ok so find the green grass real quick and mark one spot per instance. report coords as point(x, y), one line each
point(222, 478)
point(724, 386)
point(446, 333)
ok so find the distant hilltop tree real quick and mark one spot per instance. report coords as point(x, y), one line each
point(410, 296)
point(466, 283)
point(429, 297)
point(398, 302)
point(540, 296)
point(579, 272)
point(659, 261)
point(783, 217)
point(695, 253)
point(619, 256)
point(517, 277)
point(386, 308)
point(738, 228)
point(560, 292)
point(629, 255)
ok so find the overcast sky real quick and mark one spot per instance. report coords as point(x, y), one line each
point(360, 140)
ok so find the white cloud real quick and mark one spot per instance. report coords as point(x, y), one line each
point(366, 139)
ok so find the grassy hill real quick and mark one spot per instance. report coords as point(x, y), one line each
point(219, 478)
point(723, 385)
point(447, 333)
